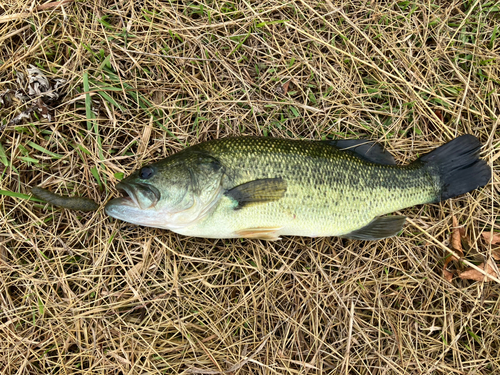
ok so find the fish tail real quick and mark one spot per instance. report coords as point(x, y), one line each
point(458, 166)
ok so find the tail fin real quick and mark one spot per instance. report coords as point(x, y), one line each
point(459, 167)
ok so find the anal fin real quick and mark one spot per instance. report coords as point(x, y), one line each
point(262, 233)
point(378, 228)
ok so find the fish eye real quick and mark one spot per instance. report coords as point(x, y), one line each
point(146, 173)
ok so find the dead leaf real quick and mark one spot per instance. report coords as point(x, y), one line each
point(38, 83)
point(43, 109)
point(38, 92)
point(492, 238)
point(5, 99)
point(448, 275)
point(24, 114)
point(456, 239)
point(439, 114)
point(285, 87)
point(457, 234)
point(496, 254)
point(473, 274)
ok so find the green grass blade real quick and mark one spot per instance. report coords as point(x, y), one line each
point(13, 194)
point(88, 101)
point(44, 150)
point(3, 156)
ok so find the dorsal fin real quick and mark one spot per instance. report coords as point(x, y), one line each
point(368, 150)
point(257, 192)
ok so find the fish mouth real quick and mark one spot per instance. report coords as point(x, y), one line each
point(138, 195)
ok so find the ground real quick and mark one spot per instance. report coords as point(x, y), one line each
point(83, 293)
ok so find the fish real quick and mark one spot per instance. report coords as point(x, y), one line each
point(71, 203)
point(265, 188)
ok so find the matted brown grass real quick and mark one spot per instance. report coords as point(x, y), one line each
point(82, 293)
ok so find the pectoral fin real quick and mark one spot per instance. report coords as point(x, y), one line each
point(381, 227)
point(262, 233)
point(257, 192)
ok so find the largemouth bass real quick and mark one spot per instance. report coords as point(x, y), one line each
point(267, 187)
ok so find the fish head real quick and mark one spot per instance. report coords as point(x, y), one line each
point(173, 193)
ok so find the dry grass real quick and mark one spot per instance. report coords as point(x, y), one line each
point(80, 293)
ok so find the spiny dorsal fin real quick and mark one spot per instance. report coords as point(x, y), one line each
point(368, 150)
point(257, 192)
point(378, 228)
